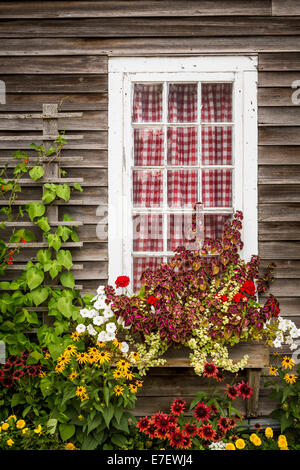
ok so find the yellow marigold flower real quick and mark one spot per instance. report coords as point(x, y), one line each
point(82, 358)
point(284, 448)
point(118, 374)
point(75, 336)
point(64, 359)
point(5, 426)
point(240, 444)
point(282, 442)
point(230, 446)
point(133, 388)
point(139, 383)
point(287, 362)
point(257, 441)
point(103, 356)
point(12, 417)
point(38, 430)
point(123, 365)
point(59, 367)
point(70, 350)
point(273, 370)
point(73, 375)
point(20, 424)
point(70, 446)
point(25, 430)
point(10, 442)
point(269, 433)
point(80, 417)
point(80, 390)
point(118, 390)
point(290, 378)
point(253, 437)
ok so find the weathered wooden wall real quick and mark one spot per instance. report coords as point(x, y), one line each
point(52, 50)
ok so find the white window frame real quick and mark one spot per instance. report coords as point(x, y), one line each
point(242, 72)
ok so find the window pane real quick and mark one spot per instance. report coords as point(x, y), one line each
point(214, 225)
point(148, 147)
point(216, 102)
point(147, 232)
point(217, 188)
point(183, 102)
point(182, 188)
point(147, 188)
point(140, 265)
point(147, 103)
point(180, 231)
point(182, 145)
point(216, 145)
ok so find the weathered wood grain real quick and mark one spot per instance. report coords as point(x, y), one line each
point(280, 250)
point(285, 8)
point(278, 193)
point(277, 78)
point(52, 65)
point(30, 102)
point(104, 9)
point(279, 231)
point(275, 97)
point(279, 212)
point(279, 116)
point(277, 135)
point(61, 83)
point(278, 155)
point(279, 61)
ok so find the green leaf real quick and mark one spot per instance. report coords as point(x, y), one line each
point(89, 443)
point(68, 218)
point(54, 241)
point(35, 209)
point(39, 295)
point(63, 192)
point(77, 187)
point(108, 413)
point(17, 399)
point(118, 413)
point(106, 395)
point(67, 280)
point(34, 277)
point(43, 224)
point(65, 306)
point(74, 236)
point(119, 440)
point(64, 232)
point(51, 425)
point(95, 423)
point(36, 173)
point(44, 256)
point(4, 285)
point(54, 269)
point(66, 431)
point(64, 258)
point(48, 196)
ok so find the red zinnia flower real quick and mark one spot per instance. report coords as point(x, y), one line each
point(224, 423)
point(219, 435)
point(178, 407)
point(202, 412)
point(23, 240)
point(32, 370)
point(210, 370)
point(122, 281)
point(152, 300)
point(143, 424)
point(206, 432)
point(232, 392)
point(7, 366)
point(177, 439)
point(190, 429)
point(244, 390)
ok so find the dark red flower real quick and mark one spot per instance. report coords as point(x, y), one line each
point(178, 406)
point(213, 408)
point(238, 297)
point(207, 432)
point(152, 300)
point(18, 374)
point(258, 426)
point(7, 366)
point(232, 392)
point(151, 430)
point(244, 390)
point(187, 442)
point(202, 412)
point(7, 382)
point(210, 370)
point(190, 429)
point(122, 281)
point(143, 424)
point(219, 376)
point(219, 435)
point(1, 374)
point(161, 421)
point(224, 423)
point(162, 433)
point(177, 439)
point(33, 370)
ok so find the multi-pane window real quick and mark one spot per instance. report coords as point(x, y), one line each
point(178, 136)
point(182, 154)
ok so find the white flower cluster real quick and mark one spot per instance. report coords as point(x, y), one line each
point(101, 316)
point(217, 445)
point(287, 333)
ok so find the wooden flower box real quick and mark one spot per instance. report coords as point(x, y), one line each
point(258, 359)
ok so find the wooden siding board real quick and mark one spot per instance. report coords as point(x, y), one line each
point(59, 83)
point(50, 65)
point(160, 8)
point(278, 155)
point(285, 8)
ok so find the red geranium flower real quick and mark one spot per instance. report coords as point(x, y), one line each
point(248, 287)
point(232, 392)
point(202, 412)
point(207, 432)
point(223, 298)
point(190, 429)
point(210, 370)
point(238, 297)
point(143, 424)
point(244, 390)
point(224, 423)
point(177, 439)
point(122, 281)
point(178, 407)
point(152, 300)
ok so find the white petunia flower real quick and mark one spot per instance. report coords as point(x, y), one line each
point(124, 347)
point(111, 327)
point(102, 337)
point(80, 328)
point(100, 290)
point(98, 320)
point(110, 336)
point(91, 330)
point(108, 313)
point(100, 304)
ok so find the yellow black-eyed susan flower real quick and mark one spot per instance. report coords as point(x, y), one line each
point(81, 390)
point(103, 356)
point(70, 350)
point(82, 358)
point(273, 370)
point(287, 362)
point(290, 378)
point(118, 390)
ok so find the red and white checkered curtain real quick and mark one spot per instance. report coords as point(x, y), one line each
point(182, 144)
